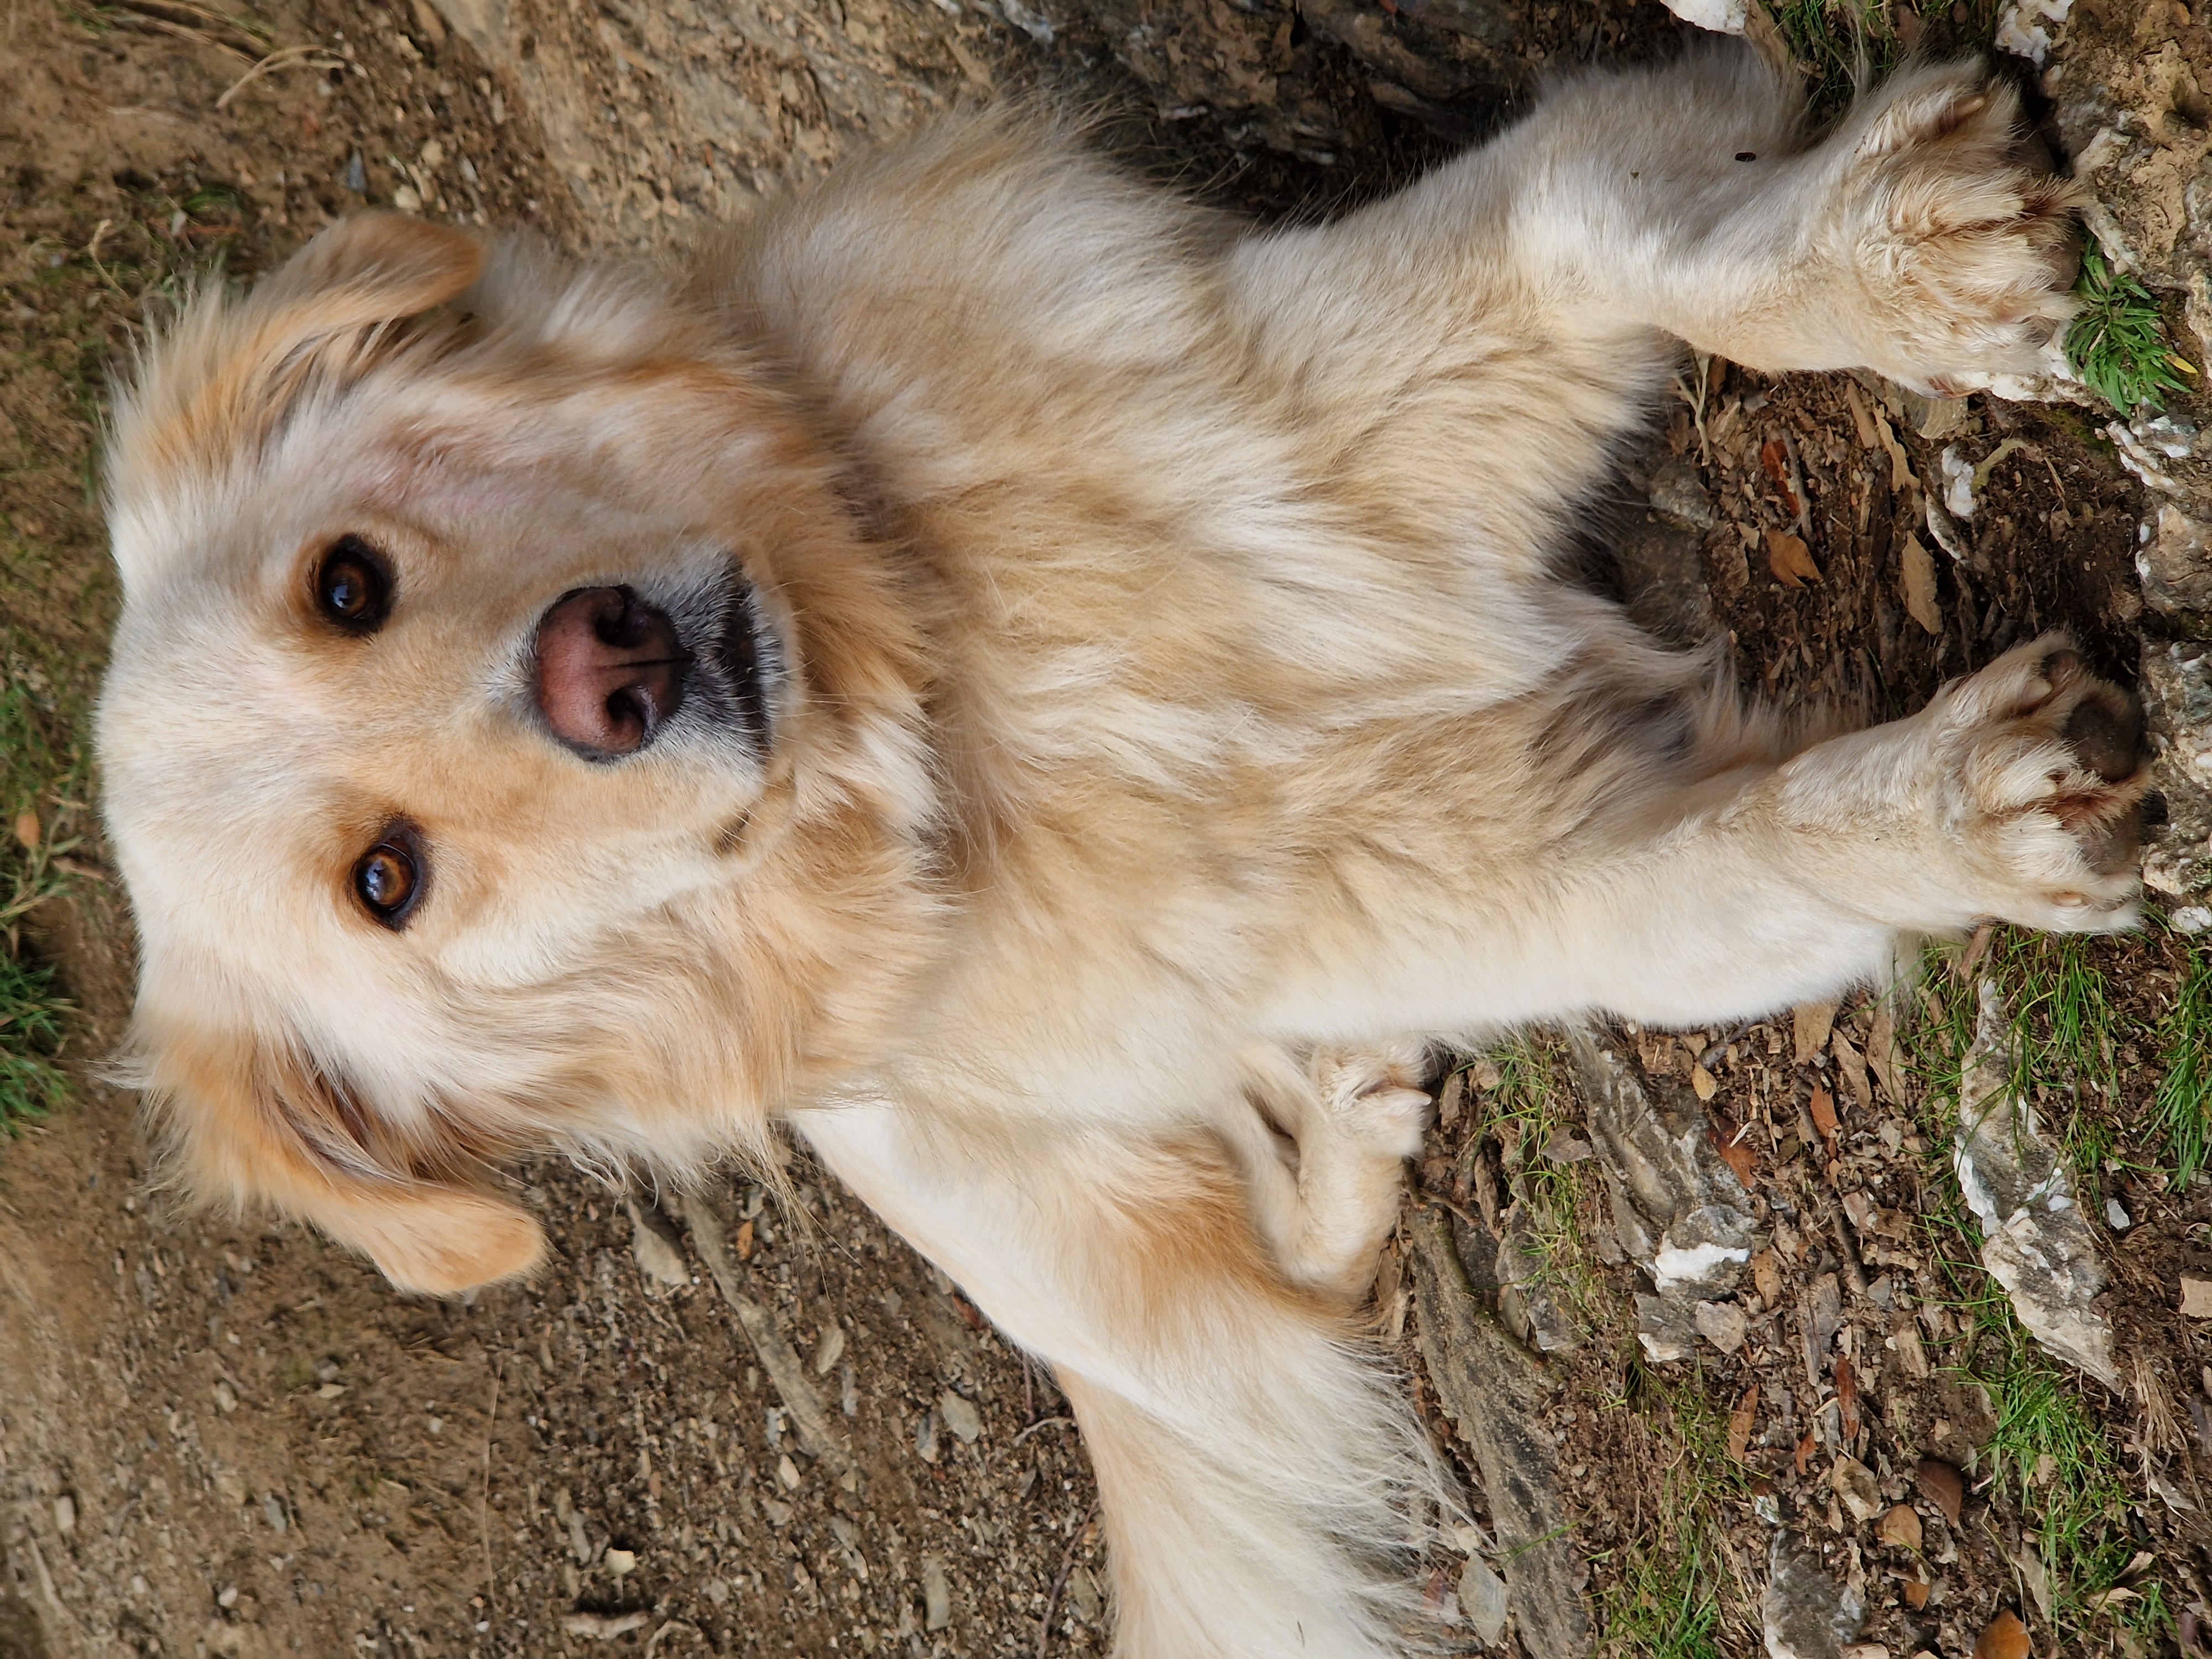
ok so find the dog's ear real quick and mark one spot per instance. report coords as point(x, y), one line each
point(247, 1123)
point(221, 379)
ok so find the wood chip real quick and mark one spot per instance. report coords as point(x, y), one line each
point(1917, 580)
point(1810, 1023)
point(1901, 1529)
point(602, 1626)
point(2005, 1639)
point(1941, 1484)
point(1861, 419)
point(1847, 1397)
point(1790, 560)
point(1852, 1067)
point(2196, 1298)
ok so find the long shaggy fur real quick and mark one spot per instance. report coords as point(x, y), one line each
point(1176, 720)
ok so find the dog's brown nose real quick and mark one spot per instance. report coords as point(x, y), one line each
point(610, 670)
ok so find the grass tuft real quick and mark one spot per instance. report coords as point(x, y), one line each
point(2118, 343)
point(2182, 1108)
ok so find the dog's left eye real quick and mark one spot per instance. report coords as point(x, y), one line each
point(389, 878)
point(352, 586)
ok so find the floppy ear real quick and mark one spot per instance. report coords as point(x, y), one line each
point(216, 383)
point(245, 1123)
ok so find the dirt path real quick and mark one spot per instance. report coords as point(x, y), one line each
point(225, 1441)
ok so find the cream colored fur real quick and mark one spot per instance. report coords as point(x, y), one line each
point(1182, 723)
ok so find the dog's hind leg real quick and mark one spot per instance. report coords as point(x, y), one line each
point(1324, 1146)
point(1260, 1469)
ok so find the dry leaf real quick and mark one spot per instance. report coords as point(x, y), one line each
point(1790, 560)
point(1917, 578)
point(1847, 1397)
point(1742, 1420)
point(2005, 1639)
point(1853, 1063)
point(1735, 1152)
point(1809, 1025)
point(1774, 456)
point(1767, 1275)
point(1916, 1593)
point(1703, 1082)
point(27, 830)
point(1881, 1053)
point(1901, 1529)
point(746, 1242)
point(1806, 1448)
point(1939, 1483)
point(1823, 1107)
point(2196, 1298)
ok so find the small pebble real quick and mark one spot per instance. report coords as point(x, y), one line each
point(936, 1594)
point(960, 1416)
point(65, 1514)
point(622, 1563)
point(2117, 1217)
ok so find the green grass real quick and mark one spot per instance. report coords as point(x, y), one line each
point(30, 1040)
point(2182, 1110)
point(36, 774)
point(1665, 1599)
point(2118, 343)
point(2052, 1456)
point(1526, 1109)
point(1839, 45)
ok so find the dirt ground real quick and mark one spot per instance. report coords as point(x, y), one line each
point(216, 1440)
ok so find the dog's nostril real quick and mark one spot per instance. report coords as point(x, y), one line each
point(610, 670)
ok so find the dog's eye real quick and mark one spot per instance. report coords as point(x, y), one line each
point(389, 877)
point(353, 587)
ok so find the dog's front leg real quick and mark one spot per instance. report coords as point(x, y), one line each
point(2014, 794)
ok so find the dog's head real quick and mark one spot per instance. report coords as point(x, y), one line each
point(513, 737)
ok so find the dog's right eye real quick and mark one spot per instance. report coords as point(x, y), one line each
point(389, 878)
point(353, 587)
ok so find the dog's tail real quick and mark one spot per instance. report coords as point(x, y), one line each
point(1268, 1491)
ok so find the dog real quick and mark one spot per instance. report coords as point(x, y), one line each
point(1058, 698)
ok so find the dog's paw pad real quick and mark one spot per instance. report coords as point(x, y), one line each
point(1964, 241)
point(2058, 784)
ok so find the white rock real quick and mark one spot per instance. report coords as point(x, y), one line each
point(2021, 31)
point(960, 1416)
point(936, 1594)
point(2117, 1217)
point(1721, 16)
point(622, 1563)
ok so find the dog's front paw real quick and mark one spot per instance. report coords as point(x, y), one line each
point(2048, 774)
point(1961, 240)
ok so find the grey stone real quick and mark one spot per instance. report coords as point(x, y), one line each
point(1720, 1323)
point(1678, 492)
point(2036, 1241)
point(1497, 1394)
point(2176, 566)
point(1482, 1601)
point(936, 1594)
point(960, 1416)
point(653, 1241)
point(2177, 693)
point(1805, 1613)
point(1676, 1207)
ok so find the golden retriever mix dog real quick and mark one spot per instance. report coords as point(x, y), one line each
point(1056, 697)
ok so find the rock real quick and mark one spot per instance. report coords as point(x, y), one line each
point(602, 1626)
point(2196, 1298)
point(2117, 1217)
point(936, 1594)
point(65, 1514)
point(621, 1563)
point(2177, 693)
point(1720, 1323)
point(960, 1416)
point(1942, 1486)
point(1662, 577)
point(2176, 566)
point(2036, 1242)
point(1497, 1395)
point(653, 1242)
point(1677, 492)
point(1676, 1205)
point(1855, 1484)
point(1482, 1600)
point(1805, 1613)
